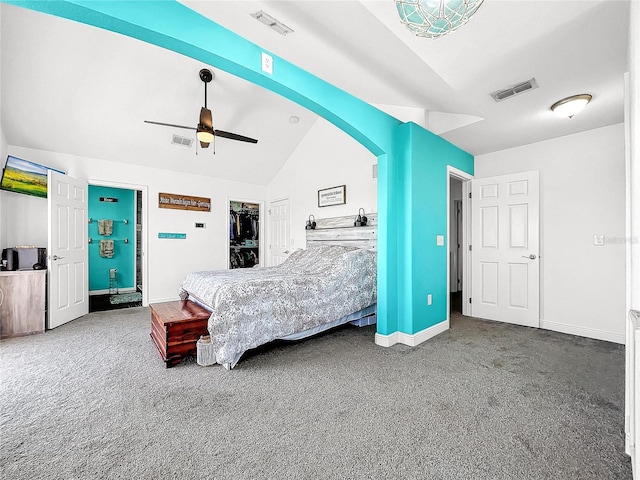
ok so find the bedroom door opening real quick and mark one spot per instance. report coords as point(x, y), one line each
point(117, 260)
point(244, 234)
point(279, 232)
point(506, 248)
point(458, 237)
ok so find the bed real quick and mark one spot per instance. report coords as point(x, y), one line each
point(313, 290)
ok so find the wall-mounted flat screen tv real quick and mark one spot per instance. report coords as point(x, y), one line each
point(23, 176)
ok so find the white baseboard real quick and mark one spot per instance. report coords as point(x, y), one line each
point(412, 339)
point(583, 331)
point(162, 300)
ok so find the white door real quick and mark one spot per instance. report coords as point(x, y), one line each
point(279, 228)
point(505, 266)
point(67, 249)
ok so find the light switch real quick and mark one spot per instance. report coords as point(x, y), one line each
point(440, 240)
point(267, 63)
point(598, 240)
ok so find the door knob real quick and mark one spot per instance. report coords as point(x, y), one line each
point(56, 257)
point(530, 257)
point(286, 251)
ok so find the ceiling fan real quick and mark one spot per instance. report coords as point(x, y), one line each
point(204, 130)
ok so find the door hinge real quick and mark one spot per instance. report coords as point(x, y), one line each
point(469, 247)
point(469, 194)
point(469, 299)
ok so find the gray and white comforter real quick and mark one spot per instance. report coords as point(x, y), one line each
point(251, 307)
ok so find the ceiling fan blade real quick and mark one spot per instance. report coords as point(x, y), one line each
point(234, 136)
point(205, 118)
point(169, 125)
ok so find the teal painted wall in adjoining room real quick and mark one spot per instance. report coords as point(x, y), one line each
point(123, 259)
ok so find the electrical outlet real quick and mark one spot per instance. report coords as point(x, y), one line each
point(598, 240)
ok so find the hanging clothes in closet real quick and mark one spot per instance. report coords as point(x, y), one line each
point(244, 228)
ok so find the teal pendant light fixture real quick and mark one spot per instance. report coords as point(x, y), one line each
point(435, 18)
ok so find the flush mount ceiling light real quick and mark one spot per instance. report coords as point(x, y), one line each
point(271, 22)
point(434, 18)
point(568, 107)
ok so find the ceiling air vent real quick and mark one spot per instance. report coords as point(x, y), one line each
point(514, 90)
point(178, 140)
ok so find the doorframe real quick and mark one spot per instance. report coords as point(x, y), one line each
point(144, 190)
point(261, 222)
point(465, 178)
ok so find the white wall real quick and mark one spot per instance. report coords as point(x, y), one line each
point(633, 118)
point(582, 193)
point(169, 260)
point(326, 157)
point(3, 158)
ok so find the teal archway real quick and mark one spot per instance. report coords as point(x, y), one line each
point(411, 161)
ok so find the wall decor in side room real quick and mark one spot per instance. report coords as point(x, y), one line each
point(184, 202)
point(332, 196)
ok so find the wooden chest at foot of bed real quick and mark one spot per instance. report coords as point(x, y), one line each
point(176, 327)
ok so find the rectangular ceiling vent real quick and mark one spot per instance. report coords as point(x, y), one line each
point(514, 90)
point(272, 23)
point(184, 141)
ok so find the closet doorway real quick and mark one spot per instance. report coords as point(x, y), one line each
point(244, 234)
point(117, 263)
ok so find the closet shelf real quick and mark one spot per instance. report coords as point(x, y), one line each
point(125, 221)
point(124, 240)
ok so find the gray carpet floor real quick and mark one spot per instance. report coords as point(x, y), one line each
point(484, 400)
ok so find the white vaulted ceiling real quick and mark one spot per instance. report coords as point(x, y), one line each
point(75, 89)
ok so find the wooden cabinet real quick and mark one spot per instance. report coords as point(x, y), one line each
point(22, 302)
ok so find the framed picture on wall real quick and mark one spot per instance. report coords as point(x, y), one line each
point(332, 196)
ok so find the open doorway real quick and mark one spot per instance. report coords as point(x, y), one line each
point(116, 254)
point(458, 239)
point(455, 245)
point(244, 234)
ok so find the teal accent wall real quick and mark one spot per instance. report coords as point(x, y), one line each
point(123, 259)
point(427, 262)
point(411, 161)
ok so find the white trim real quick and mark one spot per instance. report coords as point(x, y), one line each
point(144, 189)
point(163, 300)
point(465, 178)
point(412, 340)
point(583, 331)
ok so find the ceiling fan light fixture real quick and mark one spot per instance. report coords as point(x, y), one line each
point(204, 135)
point(568, 107)
point(435, 18)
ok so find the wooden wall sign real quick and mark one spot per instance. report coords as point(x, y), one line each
point(332, 196)
point(184, 202)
